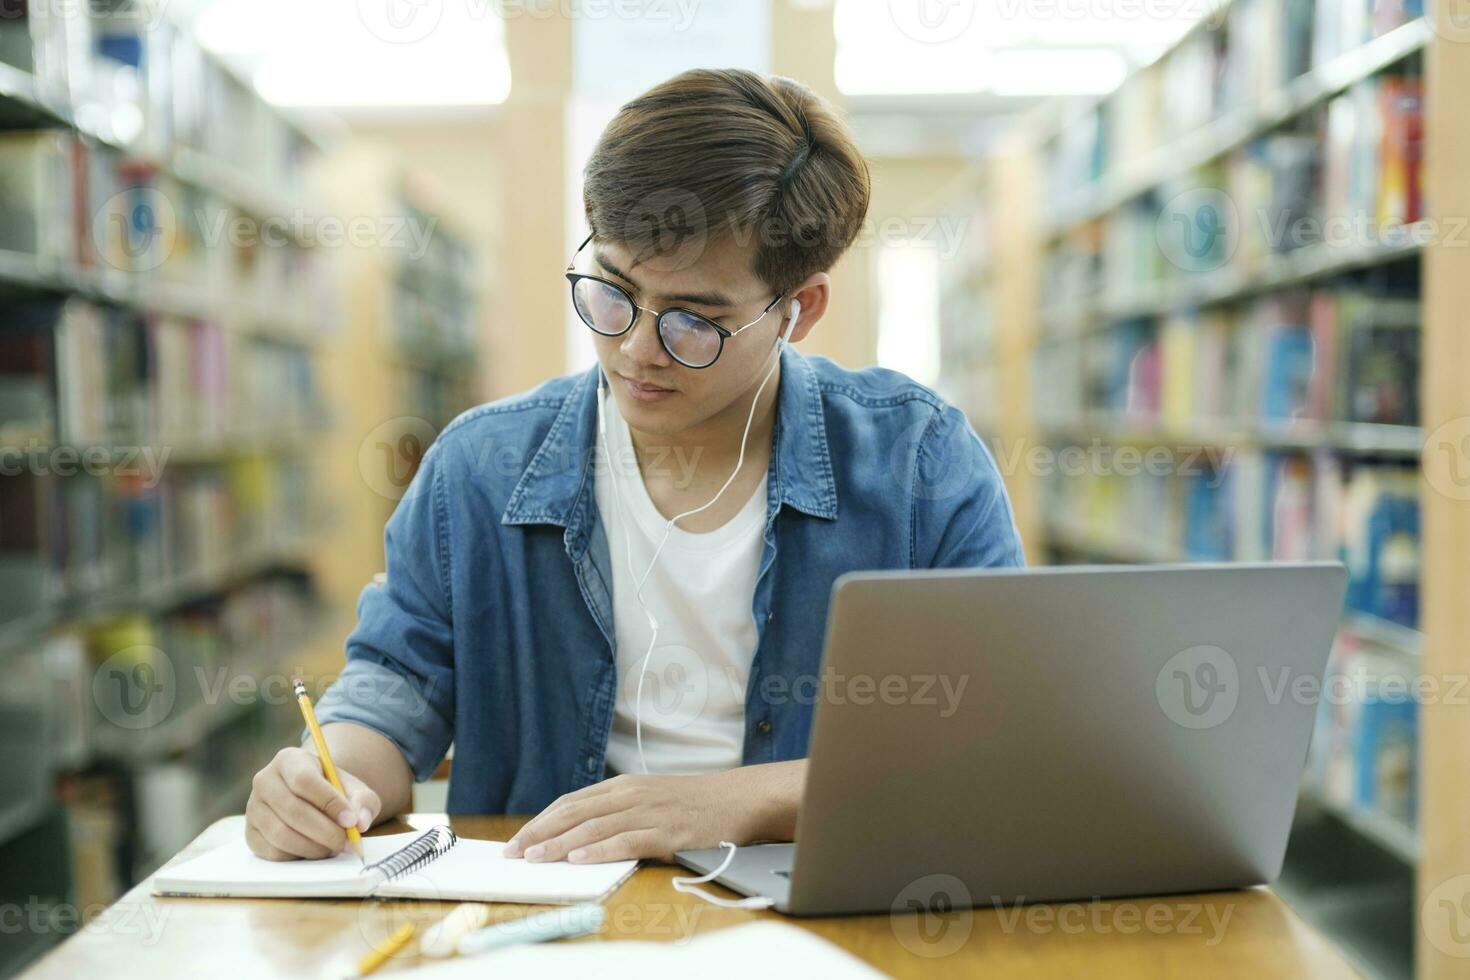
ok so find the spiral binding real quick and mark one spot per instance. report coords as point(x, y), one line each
point(417, 853)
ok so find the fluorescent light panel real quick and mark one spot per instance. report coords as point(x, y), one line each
point(359, 53)
point(1002, 47)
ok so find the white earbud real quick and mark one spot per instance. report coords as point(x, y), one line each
point(601, 415)
point(791, 323)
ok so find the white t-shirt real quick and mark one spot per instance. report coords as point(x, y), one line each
point(700, 592)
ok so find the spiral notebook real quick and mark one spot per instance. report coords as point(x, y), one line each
point(436, 864)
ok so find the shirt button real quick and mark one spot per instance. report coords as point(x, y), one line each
point(591, 762)
point(764, 728)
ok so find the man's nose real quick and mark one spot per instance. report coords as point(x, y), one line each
point(641, 344)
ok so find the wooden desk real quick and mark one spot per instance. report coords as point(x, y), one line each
point(1235, 934)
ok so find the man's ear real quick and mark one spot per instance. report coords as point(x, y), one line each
point(813, 294)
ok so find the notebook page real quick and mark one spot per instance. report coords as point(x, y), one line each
point(476, 870)
point(231, 870)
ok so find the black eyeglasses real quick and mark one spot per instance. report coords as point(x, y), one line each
point(693, 340)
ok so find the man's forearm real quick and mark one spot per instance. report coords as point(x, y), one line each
point(373, 758)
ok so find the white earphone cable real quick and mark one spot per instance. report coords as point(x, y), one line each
point(689, 886)
point(669, 526)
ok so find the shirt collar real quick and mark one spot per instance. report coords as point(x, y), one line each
point(553, 485)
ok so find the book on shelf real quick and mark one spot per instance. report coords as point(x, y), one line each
point(1131, 258)
point(132, 72)
point(1365, 745)
point(1057, 369)
point(1132, 117)
point(1365, 142)
point(1373, 155)
point(1191, 82)
point(1195, 348)
point(1401, 156)
point(96, 827)
point(70, 671)
point(1339, 27)
point(1391, 14)
point(99, 374)
point(1382, 366)
point(1077, 157)
point(27, 410)
point(25, 753)
point(39, 209)
point(1342, 25)
point(1294, 536)
point(52, 43)
point(1277, 50)
point(1288, 359)
point(1273, 183)
point(1385, 748)
point(26, 586)
point(1381, 542)
point(1206, 519)
point(81, 373)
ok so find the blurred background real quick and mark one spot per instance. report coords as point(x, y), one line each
point(1190, 267)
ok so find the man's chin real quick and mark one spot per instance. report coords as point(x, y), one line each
point(665, 417)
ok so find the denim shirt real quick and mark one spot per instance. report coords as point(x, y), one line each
point(493, 629)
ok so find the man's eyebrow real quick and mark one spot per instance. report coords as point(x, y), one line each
point(715, 299)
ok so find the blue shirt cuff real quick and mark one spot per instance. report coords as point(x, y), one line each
point(376, 697)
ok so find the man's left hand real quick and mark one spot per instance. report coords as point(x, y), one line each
point(633, 816)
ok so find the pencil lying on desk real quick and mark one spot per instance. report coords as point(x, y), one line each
point(354, 838)
point(385, 951)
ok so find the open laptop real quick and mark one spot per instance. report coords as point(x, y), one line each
point(1082, 732)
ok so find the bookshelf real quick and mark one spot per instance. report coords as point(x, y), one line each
point(410, 356)
point(1288, 376)
point(162, 307)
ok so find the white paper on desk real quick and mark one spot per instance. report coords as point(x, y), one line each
point(471, 871)
point(748, 952)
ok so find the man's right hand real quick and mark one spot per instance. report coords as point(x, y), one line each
point(295, 813)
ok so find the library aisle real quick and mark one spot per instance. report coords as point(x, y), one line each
point(1194, 271)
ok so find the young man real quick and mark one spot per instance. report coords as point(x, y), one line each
point(646, 687)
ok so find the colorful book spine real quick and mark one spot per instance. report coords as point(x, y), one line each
point(1400, 196)
point(1381, 543)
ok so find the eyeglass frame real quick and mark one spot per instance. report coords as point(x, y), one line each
point(725, 333)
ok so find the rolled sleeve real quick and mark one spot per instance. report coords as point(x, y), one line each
point(399, 678)
point(376, 697)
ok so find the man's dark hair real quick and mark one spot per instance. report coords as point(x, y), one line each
point(710, 155)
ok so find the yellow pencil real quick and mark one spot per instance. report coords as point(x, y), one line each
point(354, 838)
point(389, 948)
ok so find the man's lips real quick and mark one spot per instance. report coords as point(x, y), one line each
point(644, 387)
